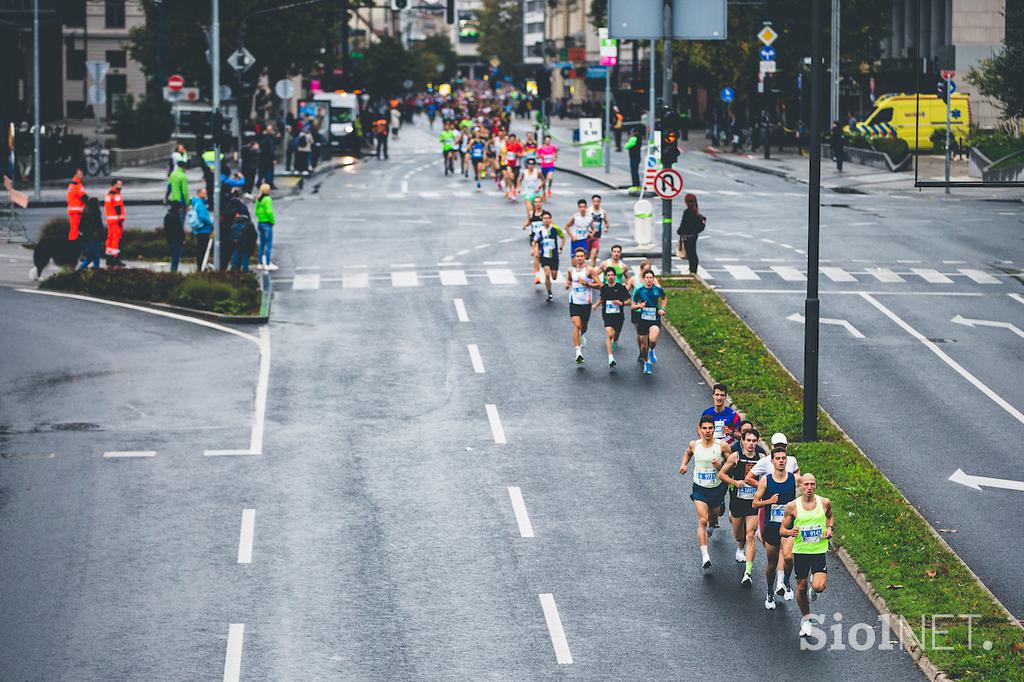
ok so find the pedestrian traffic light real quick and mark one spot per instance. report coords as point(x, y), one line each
point(671, 124)
point(941, 89)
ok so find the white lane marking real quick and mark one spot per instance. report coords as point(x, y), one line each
point(908, 262)
point(558, 640)
point(837, 274)
point(1017, 297)
point(959, 476)
point(233, 655)
point(245, 535)
point(953, 262)
point(721, 260)
point(854, 332)
point(969, 322)
point(357, 266)
point(448, 258)
point(262, 384)
point(445, 264)
point(790, 274)
point(495, 421)
point(501, 276)
point(306, 282)
point(953, 364)
point(741, 272)
point(111, 454)
point(430, 195)
point(404, 279)
point(786, 246)
point(728, 193)
point(403, 265)
point(405, 186)
point(931, 275)
point(703, 274)
point(768, 241)
point(884, 275)
point(355, 280)
point(474, 357)
point(979, 276)
point(307, 267)
point(519, 507)
point(414, 221)
point(508, 240)
point(143, 309)
point(30, 455)
point(481, 246)
point(450, 278)
point(462, 253)
point(863, 224)
point(460, 310)
point(836, 292)
point(495, 262)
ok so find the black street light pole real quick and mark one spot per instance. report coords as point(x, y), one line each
point(811, 304)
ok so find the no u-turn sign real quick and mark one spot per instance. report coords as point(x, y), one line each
point(668, 184)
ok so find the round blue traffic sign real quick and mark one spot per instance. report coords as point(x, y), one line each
point(728, 95)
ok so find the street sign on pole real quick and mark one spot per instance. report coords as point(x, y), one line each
point(948, 74)
point(767, 35)
point(175, 83)
point(767, 66)
point(728, 95)
point(97, 70)
point(241, 59)
point(97, 94)
point(284, 89)
point(767, 53)
point(668, 184)
point(645, 19)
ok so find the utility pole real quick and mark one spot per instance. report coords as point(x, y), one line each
point(650, 94)
point(161, 78)
point(812, 306)
point(215, 121)
point(834, 62)
point(346, 78)
point(948, 77)
point(35, 100)
point(669, 141)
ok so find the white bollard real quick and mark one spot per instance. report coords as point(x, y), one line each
point(643, 222)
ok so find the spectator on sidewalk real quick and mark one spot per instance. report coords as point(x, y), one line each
point(380, 132)
point(303, 149)
point(24, 151)
point(264, 209)
point(250, 164)
point(179, 155)
point(92, 233)
point(201, 224)
point(268, 151)
point(837, 141)
point(174, 233)
point(241, 231)
point(617, 120)
point(177, 186)
point(691, 225)
point(76, 198)
point(634, 148)
point(396, 122)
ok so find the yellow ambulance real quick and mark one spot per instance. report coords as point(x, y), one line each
point(895, 114)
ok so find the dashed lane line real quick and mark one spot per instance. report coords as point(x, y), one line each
point(475, 359)
point(519, 508)
point(245, 536)
point(128, 454)
point(497, 431)
point(557, 634)
point(460, 310)
point(233, 654)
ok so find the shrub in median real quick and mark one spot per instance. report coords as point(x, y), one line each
point(228, 293)
point(914, 572)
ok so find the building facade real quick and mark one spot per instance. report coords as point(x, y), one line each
point(948, 34)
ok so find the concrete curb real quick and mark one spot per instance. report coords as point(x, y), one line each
point(581, 174)
point(753, 167)
point(898, 625)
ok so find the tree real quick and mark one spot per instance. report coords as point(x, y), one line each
point(385, 66)
point(1001, 77)
point(295, 40)
point(427, 55)
point(598, 13)
point(500, 24)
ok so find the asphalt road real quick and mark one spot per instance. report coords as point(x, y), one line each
point(382, 540)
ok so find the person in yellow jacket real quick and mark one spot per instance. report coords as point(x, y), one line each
point(113, 208)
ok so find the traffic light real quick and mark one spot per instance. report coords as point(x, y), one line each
point(941, 89)
point(544, 84)
point(671, 124)
point(449, 13)
point(399, 5)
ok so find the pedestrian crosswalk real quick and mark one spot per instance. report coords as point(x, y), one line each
point(408, 276)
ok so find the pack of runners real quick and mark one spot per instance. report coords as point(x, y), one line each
point(770, 500)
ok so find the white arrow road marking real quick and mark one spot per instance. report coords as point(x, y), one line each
point(977, 481)
point(854, 332)
point(953, 364)
point(968, 322)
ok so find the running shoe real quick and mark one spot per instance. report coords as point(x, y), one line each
point(536, 278)
point(579, 359)
point(550, 298)
point(780, 589)
point(746, 581)
point(740, 556)
point(805, 628)
point(611, 363)
point(707, 564)
point(654, 358)
point(272, 267)
point(647, 370)
point(769, 602)
point(788, 595)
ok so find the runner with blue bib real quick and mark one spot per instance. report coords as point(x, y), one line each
point(774, 492)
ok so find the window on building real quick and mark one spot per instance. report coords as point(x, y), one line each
point(118, 59)
point(537, 27)
point(74, 108)
point(117, 84)
point(72, 13)
point(535, 5)
point(114, 14)
point(75, 65)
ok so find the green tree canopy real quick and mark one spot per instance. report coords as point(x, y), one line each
point(1002, 76)
point(500, 31)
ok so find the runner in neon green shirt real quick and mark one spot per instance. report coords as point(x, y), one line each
point(447, 139)
point(808, 519)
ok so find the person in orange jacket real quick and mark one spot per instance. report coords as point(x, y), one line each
point(113, 207)
point(76, 203)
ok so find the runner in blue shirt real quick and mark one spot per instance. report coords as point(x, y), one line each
point(476, 156)
point(649, 300)
point(726, 418)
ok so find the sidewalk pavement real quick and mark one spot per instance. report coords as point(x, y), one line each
point(787, 165)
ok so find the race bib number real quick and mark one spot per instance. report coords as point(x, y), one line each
point(612, 308)
point(810, 534)
point(580, 291)
point(777, 513)
point(746, 492)
point(547, 159)
point(477, 154)
point(548, 245)
point(511, 156)
point(707, 476)
point(649, 314)
point(579, 232)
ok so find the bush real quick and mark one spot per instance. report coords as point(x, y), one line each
point(996, 145)
point(858, 141)
point(148, 122)
point(228, 293)
point(896, 148)
point(55, 228)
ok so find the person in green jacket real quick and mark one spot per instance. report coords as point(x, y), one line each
point(265, 224)
point(634, 148)
point(177, 188)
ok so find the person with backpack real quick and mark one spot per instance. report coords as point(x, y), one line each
point(174, 233)
point(264, 209)
point(201, 224)
point(691, 225)
point(380, 131)
point(92, 233)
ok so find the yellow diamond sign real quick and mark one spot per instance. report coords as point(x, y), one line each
point(767, 35)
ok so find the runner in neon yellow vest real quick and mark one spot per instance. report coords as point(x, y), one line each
point(808, 519)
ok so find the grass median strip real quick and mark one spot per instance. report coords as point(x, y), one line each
point(916, 574)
